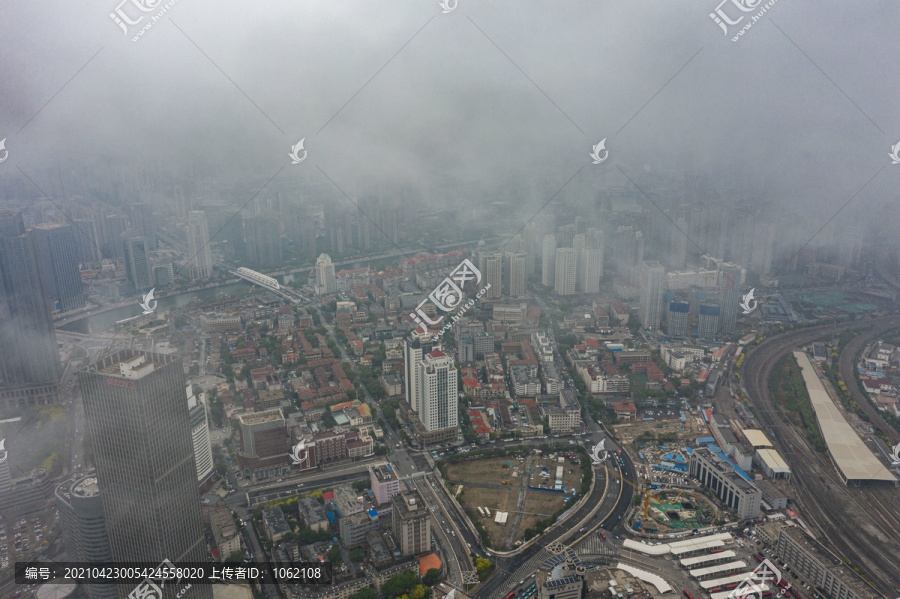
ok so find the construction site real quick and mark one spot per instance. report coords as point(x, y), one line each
point(510, 497)
point(674, 511)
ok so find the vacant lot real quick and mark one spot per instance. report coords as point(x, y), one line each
point(483, 486)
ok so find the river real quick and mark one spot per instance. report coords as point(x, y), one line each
point(105, 320)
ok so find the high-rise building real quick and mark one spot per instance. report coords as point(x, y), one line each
point(138, 420)
point(708, 321)
point(565, 236)
point(578, 244)
point(679, 242)
point(438, 392)
point(384, 482)
point(29, 359)
point(491, 266)
point(301, 228)
point(58, 252)
point(84, 527)
point(564, 271)
point(411, 522)
point(415, 347)
point(262, 240)
point(532, 248)
point(652, 279)
point(593, 256)
point(116, 227)
point(5, 479)
point(325, 281)
point(88, 247)
point(142, 223)
point(548, 261)
point(741, 495)
point(200, 436)
point(137, 263)
point(730, 279)
point(515, 273)
point(265, 444)
point(199, 252)
point(677, 318)
point(593, 270)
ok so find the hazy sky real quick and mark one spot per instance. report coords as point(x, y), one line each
point(488, 93)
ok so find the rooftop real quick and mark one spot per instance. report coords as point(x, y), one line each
point(275, 522)
point(409, 505)
point(86, 487)
point(272, 415)
point(823, 556)
point(130, 364)
point(756, 437)
point(383, 473)
point(854, 460)
point(725, 469)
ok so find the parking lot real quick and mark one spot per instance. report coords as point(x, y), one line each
point(22, 537)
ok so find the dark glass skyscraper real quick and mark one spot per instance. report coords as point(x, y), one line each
point(729, 297)
point(58, 252)
point(137, 263)
point(29, 359)
point(137, 415)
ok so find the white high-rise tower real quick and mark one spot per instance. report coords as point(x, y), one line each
point(438, 394)
point(565, 271)
point(325, 281)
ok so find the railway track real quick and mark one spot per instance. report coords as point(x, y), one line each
point(848, 374)
point(860, 524)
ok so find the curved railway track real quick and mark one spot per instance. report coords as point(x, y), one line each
point(861, 524)
point(848, 374)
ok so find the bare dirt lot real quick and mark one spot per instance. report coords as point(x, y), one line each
point(483, 486)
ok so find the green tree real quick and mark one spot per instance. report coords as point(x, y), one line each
point(484, 567)
point(432, 576)
point(400, 584)
point(357, 554)
point(235, 556)
point(334, 554)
